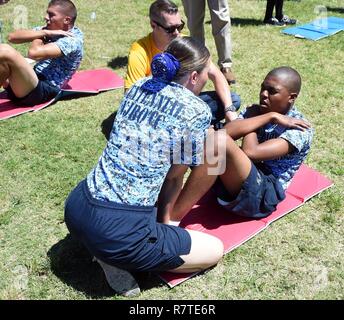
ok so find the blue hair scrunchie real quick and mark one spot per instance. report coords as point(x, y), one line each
point(164, 66)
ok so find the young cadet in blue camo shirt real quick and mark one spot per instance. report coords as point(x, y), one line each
point(276, 140)
point(112, 211)
point(58, 49)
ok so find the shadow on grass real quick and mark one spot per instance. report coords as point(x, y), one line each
point(72, 263)
point(243, 22)
point(118, 62)
point(70, 95)
point(106, 125)
point(246, 22)
point(337, 10)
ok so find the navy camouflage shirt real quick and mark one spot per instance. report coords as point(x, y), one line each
point(285, 167)
point(151, 132)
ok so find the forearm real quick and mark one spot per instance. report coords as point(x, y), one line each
point(22, 36)
point(267, 150)
point(249, 144)
point(39, 50)
point(222, 90)
point(203, 176)
point(220, 85)
point(198, 183)
point(36, 50)
point(239, 128)
point(167, 198)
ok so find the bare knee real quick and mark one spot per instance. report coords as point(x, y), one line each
point(206, 251)
point(7, 53)
point(213, 252)
point(214, 255)
point(217, 251)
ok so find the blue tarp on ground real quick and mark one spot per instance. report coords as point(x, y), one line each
point(317, 29)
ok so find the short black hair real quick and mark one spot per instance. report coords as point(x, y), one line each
point(159, 6)
point(67, 6)
point(290, 77)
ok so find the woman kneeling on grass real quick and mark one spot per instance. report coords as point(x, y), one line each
point(112, 211)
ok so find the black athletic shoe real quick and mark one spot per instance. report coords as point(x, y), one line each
point(274, 22)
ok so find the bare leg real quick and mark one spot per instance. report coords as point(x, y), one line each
point(238, 167)
point(203, 176)
point(233, 173)
point(19, 73)
point(206, 251)
point(4, 73)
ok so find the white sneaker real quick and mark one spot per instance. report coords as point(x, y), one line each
point(120, 280)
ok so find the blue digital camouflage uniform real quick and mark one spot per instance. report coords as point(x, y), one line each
point(58, 71)
point(285, 167)
point(151, 131)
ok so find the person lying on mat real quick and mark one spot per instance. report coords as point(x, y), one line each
point(276, 140)
point(166, 25)
point(58, 48)
point(112, 211)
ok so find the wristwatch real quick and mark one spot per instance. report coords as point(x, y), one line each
point(230, 108)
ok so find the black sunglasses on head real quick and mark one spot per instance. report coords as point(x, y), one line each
point(172, 28)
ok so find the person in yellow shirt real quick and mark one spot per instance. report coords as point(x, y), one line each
point(167, 24)
point(140, 57)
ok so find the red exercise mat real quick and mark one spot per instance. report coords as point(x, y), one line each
point(88, 81)
point(209, 217)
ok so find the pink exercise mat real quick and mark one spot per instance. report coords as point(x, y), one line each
point(209, 217)
point(88, 81)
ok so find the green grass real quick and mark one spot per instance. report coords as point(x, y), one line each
point(45, 154)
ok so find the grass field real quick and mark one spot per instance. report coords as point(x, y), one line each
point(43, 155)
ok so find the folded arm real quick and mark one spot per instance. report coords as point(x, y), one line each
point(23, 35)
point(241, 127)
point(267, 150)
point(39, 48)
point(40, 51)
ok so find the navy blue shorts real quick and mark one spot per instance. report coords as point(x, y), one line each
point(259, 195)
point(43, 92)
point(124, 236)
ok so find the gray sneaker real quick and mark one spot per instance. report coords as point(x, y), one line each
point(287, 20)
point(120, 280)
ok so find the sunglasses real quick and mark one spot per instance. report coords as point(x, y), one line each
point(172, 28)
